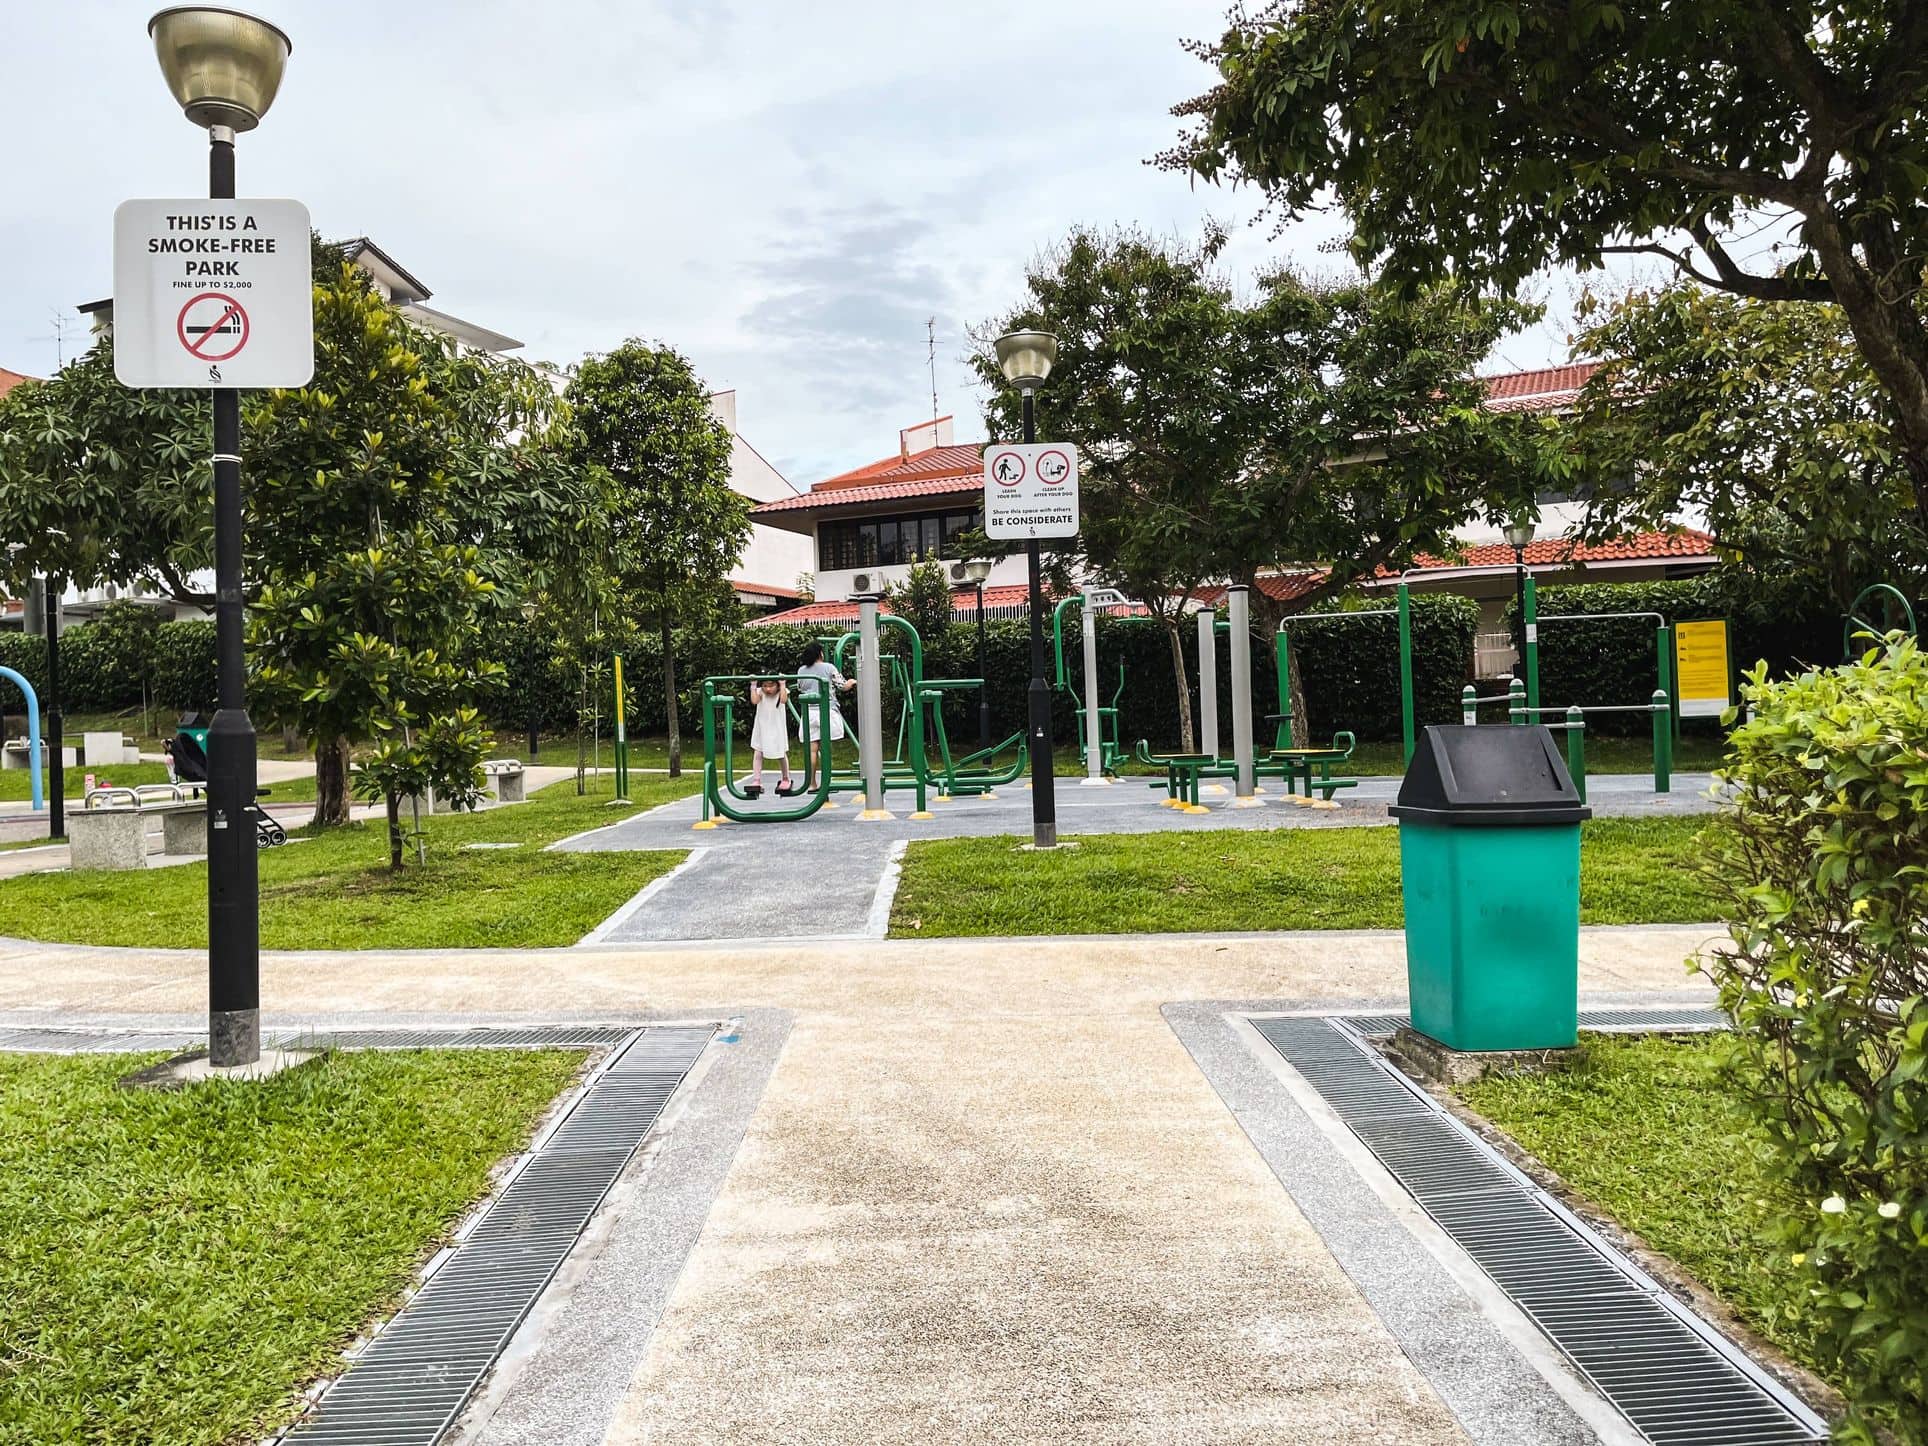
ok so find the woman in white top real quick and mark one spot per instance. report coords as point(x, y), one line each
point(815, 665)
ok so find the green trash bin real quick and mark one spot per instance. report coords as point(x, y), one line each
point(1489, 859)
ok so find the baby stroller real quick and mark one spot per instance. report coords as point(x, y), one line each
point(191, 771)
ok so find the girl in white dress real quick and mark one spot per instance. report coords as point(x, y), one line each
point(769, 733)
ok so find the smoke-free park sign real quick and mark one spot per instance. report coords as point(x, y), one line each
point(213, 294)
point(1031, 490)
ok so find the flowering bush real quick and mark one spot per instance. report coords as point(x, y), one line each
point(1825, 863)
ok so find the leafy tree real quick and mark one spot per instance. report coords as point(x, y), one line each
point(441, 755)
point(103, 484)
point(390, 500)
point(1764, 418)
point(1489, 140)
point(1312, 424)
point(924, 599)
point(676, 528)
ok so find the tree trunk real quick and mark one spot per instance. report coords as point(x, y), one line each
point(582, 742)
point(1301, 725)
point(669, 692)
point(331, 782)
point(394, 834)
point(1184, 685)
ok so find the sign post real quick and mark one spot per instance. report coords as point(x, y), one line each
point(1031, 491)
point(1704, 677)
point(218, 293)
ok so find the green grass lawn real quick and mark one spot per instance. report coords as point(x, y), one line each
point(177, 1266)
point(16, 784)
point(1632, 871)
point(334, 890)
point(1645, 1130)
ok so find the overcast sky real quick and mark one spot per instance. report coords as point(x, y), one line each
point(784, 191)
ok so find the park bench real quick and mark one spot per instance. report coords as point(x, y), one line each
point(14, 755)
point(109, 830)
point(506, 777)
point(1296, 767)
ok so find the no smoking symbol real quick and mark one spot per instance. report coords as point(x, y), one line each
point(1053, 468)
point(213, 327)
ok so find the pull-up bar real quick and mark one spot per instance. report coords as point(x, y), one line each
point(1402, 611)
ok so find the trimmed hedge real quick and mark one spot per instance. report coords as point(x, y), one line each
point(1612, 661)
point(1349, 670)
point(105, 665)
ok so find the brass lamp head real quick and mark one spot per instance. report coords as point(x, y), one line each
point(223, 66)
point(1025, 357)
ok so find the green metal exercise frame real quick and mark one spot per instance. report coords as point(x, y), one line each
point(1288, 732)
point(1661, 705)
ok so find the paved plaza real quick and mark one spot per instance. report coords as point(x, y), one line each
point(949, 1191)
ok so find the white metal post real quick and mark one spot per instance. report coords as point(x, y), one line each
point(870, 711)
point(1238, 603)
point(1208, 681)
point(1094, 728)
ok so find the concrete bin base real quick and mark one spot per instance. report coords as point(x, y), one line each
point(100, 839)
point(509, 787)
point(184, 830)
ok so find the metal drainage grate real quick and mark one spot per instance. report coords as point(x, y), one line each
point(411, 1381)
point(1676, 1379)
point(1690, 1020)
point(57, 1040)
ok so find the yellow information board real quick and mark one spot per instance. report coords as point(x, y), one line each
point(1704, 675)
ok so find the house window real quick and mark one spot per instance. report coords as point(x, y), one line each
point(891, 541)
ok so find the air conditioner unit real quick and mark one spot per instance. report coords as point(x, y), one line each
point(863, 582)
point(960, 574)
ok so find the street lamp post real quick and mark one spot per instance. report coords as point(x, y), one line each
point(224, 68)
point(1519, 533)
point(1025, 358)
point(977, 570)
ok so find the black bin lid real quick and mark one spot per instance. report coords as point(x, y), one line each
point(1497, 776)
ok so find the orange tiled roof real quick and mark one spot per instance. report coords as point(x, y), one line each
point(9, 380)
point(1544, 390)
point(1552, 551)
point(963, 601)
point(850, 494)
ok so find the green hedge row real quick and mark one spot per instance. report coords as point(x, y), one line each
point(1611, 661)
point(1349, 671)
point(125, 658)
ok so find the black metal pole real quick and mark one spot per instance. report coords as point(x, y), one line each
point(1044, 800)
point(984, 679)
point(529, 682)
point(56, 771)
point(234, 905)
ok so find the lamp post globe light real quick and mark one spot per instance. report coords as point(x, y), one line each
point(1025, 358)
point(978, 569)
point(223, 68)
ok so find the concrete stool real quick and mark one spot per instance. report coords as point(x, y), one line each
point(102, 749)
point(509, 783)
point(107, 838)
point(184, 829)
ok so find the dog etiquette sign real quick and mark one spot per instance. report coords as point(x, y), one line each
point(1031, 490)
point(213, 294)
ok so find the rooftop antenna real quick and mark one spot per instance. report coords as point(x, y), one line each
point(930, 336)
point(58, 336)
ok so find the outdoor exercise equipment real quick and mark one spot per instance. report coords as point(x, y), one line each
point(33, 734)
point(1238, 612)
point(1287, 737)
point(1099, 742)
point(1209, 628)
point(1897, 615)
point(1660, 706)
point(920, 698)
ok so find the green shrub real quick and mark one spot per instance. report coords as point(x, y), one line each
point(183, 666)
point(1824, 861)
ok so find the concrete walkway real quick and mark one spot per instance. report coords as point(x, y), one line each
point(830, 876)
point(987, 1194)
